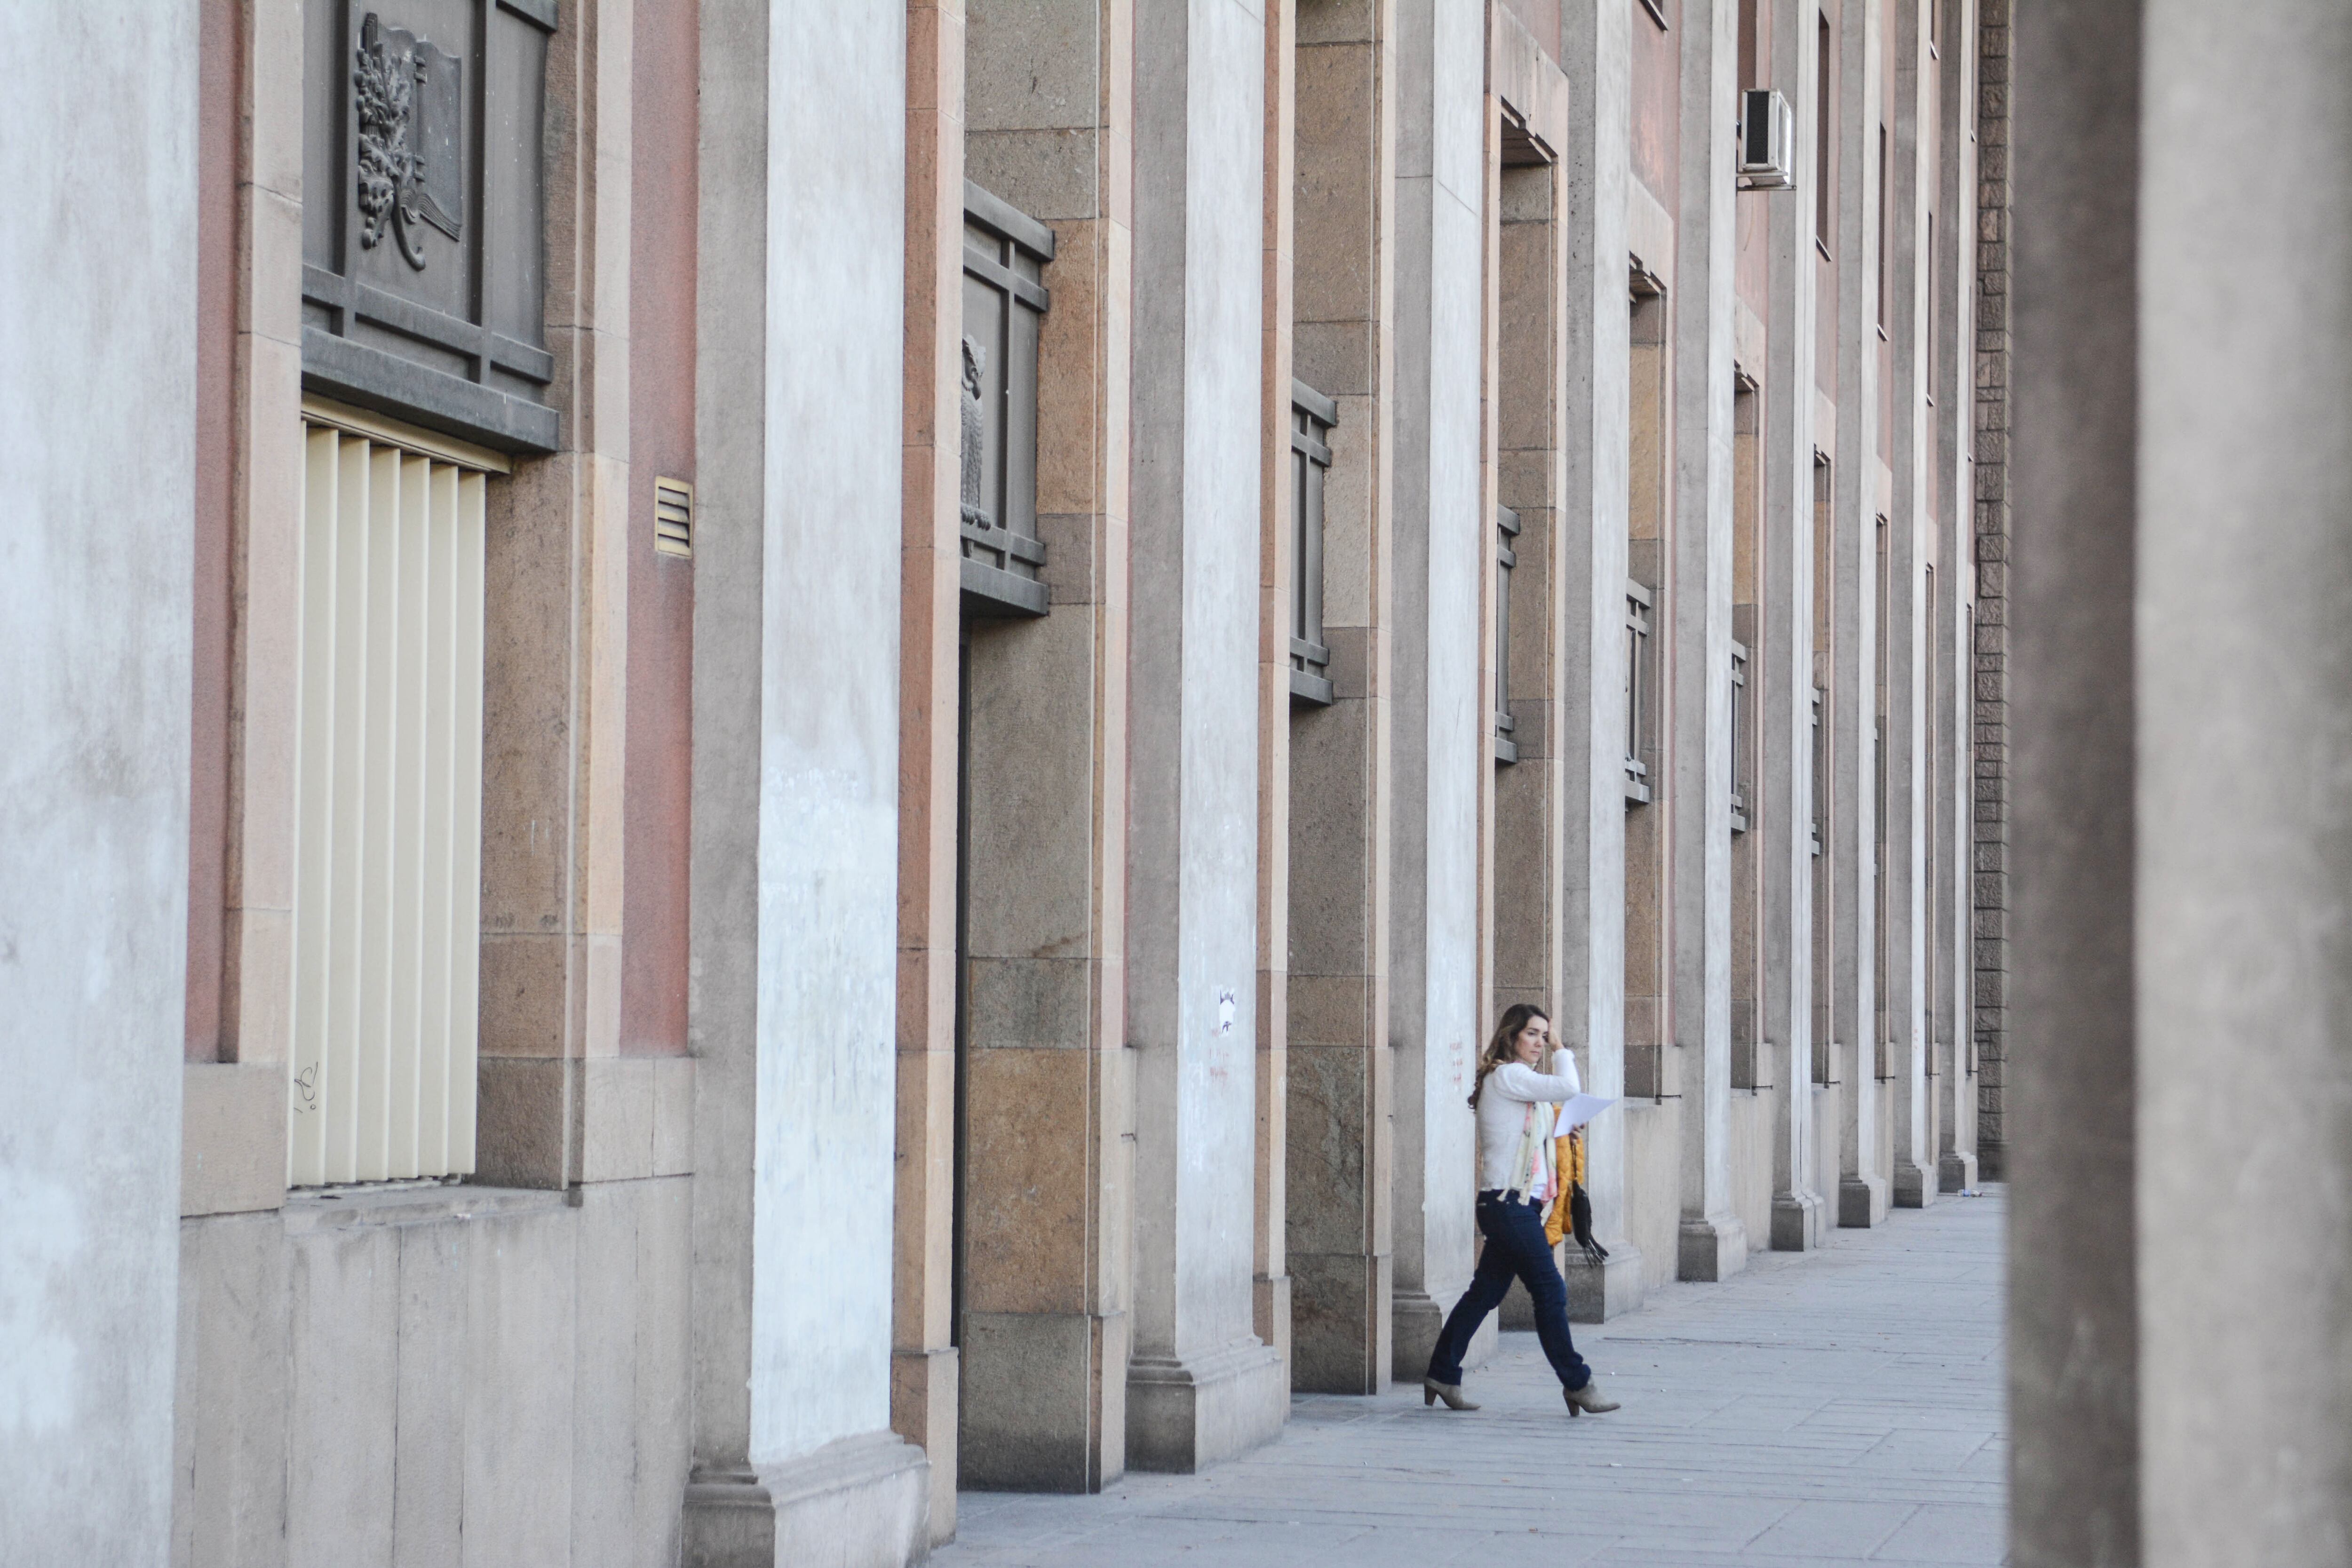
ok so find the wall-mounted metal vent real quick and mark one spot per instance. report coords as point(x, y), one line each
point(673, 518)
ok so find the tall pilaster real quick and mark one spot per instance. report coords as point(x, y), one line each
point(1863, 1189)
point(1594, 171)
point(1912, 568)
point(1951, 384)
point(1201, 1384)
point(795, 842)
point(1712, 1241)
point(1439, 753)
point(1784, 665)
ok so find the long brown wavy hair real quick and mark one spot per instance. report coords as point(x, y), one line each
point(1503, 1046)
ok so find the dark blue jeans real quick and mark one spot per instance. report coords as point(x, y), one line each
point(1515, 1247)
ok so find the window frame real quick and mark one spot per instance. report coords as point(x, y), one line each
point(1313, 417)
point(1005, 252)
point(1507, 527)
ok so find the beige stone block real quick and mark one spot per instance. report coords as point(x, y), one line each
point(233, 1137)
point(271, 307)
point(1339, 358)
point(1028, 1174)
point(1329, 1147)
point(1029, 67)
point(1328, 22)
point(1332, 1010)
point(522, 996)
point(257, 995)
point(922, 1238)
point(1070, 569)
point(1027, 1002)
point(1070, 386)
point(1028, 1410)
point(924, 1387)
point(616, 1118)
point(1051, 175)
point(523, 1122)
point(673, 1115)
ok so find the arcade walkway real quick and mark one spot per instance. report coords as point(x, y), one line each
point(1843, 1408)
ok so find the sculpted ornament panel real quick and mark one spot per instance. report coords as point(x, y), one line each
point(410, 97)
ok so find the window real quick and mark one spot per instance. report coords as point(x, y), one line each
point(1638, 606)
point(1004, 254)
point(1821, 140)
point(1738, 772)
point(388, 809)
point(1313, 416)
point(1506, 529)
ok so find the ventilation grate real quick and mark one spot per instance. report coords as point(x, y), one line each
point(673, 518)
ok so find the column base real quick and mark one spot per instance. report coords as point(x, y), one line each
point(1956, 1172)
point(1030, 1419)
point(1710, 1249)
point(860, 1502)
point(1599, 1291)
point(1913, 1188)
point(1798, 1221)
point(1185, 1415)
point(1416, 1318)
point(1861, 1201)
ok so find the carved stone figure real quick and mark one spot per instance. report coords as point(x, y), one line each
point(975, 435)
point(410, 100)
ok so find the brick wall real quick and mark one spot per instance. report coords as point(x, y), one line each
point(1991, 654)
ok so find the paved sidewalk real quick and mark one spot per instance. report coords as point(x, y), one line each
point(1843, 1408)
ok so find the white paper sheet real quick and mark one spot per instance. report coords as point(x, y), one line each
point(1580, 1111)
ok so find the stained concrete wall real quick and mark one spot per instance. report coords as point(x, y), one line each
point(1440, 736)
point(96, 294)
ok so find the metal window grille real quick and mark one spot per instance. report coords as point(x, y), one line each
point(1638, 620)
point(388, 813)
point(1313, 417)
point(1004, 254)
point(1506, 529)
point(1739, 738)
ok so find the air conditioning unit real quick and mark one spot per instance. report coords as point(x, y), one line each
point(1768, 141)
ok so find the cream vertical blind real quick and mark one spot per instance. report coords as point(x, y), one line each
point(387, 904)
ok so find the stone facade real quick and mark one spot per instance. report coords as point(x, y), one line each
point(935, 1033)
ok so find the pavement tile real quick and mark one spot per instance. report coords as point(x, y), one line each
point(1841, 1407)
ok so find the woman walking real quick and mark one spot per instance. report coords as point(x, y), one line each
point(1516, 1176)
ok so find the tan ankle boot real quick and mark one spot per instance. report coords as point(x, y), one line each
point(1432, 1391)
point(1589, 1397)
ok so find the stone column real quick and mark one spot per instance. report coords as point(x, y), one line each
point(1271, 1311)
point(1339, 1221)
point(1712, 1242)
point(1782, 668)
point(1863, 1189)
point(795, 802)
point(1594, 171)
point(1910, 748)
point(2179, 1117)
point(1048, 1096)
point(99, 450)
point(1201, 1384)
point(1954, 329)
point(2075, 1312)
point(1440, 735)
